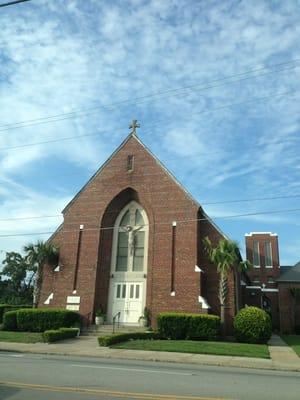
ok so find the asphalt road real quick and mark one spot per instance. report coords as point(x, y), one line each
point(36, 377)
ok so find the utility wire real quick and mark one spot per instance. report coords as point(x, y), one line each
point(202, 204)
point(10, 3)
point(257, 99)
point(163, 223)
point(137, 100)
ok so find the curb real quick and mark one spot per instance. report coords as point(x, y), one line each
point(233, 362)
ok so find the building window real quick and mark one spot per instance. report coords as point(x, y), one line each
point(256, 279)
point(130, 239)
point(268, 255)
point(130, 162)
point(256, 258)
point(270, 279)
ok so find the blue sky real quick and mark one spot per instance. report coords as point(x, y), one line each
point(224, 139)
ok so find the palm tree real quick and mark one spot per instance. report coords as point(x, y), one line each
point(37, 255)
point(226, 257)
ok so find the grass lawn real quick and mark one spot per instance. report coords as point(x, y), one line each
point(198, 347)
point(20, 337)
point(293, 341)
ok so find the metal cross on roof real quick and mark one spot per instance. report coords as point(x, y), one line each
point(133, 126)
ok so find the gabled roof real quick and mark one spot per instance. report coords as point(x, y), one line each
point(289, 274)
point(131, 135)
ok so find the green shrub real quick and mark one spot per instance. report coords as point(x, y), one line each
point(252, 325)
point(10, 307)
point(203, 326)
point(40, 320)
point(107, 341)
point(53, 335)
point(10, 321)
point(177, 326)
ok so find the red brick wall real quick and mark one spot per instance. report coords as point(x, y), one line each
point(164, 201)
point(289, 307)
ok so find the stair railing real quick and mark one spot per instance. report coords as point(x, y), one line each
point(116, 317)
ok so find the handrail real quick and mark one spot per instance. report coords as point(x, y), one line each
point(118, 315)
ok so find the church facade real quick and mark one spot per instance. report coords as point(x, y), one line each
point(133, 238)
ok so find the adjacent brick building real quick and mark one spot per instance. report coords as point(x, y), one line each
point(272, 287)
point(133, 238)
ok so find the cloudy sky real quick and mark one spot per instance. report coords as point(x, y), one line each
point(215, 86)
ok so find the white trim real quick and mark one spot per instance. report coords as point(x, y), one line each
point(262, 289)
point(57, 269)
point(256, 266)
point(198, 269)
point(172, 294)
point(253, 287)
point(174, 223)
point(269, 266)
point(49, 298)
point(261, 233)
point(203, 302)
point(81, 227)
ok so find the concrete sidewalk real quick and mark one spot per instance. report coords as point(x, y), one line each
point(283, 357)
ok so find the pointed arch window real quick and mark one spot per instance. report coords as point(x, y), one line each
point(131, 238)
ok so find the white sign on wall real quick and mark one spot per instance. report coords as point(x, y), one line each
point(73, 299)
point(72, 307)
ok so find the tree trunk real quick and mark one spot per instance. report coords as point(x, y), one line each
point(37, 286)
point(222, 298)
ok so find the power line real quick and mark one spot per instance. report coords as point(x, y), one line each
point(210, 85)
point(162, 223)
point(10, 3)
point(263, 98)
point(202, 204)
point(31, 217)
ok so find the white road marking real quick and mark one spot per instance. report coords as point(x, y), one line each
point(16, 355)
point(151, 371)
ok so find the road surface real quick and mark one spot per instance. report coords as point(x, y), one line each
point(36, 377)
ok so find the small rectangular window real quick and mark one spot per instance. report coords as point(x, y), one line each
point(130, 162)
point(123, 291)
point(270, 279)
point(118, 291)
point(256, 258)
point(138, 256)
point(256, 279)
point(137, 291)
point(268, 254)
point(131, 291)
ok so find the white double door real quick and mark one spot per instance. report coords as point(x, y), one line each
point(128, 298)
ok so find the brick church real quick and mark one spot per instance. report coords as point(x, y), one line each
point(132, 238)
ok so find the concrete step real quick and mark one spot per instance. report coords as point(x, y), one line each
point(101, 330)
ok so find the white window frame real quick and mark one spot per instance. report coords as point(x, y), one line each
point(271, 257)
point(258, 249)
point(132, 207)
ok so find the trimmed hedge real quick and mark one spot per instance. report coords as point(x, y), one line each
point(252, 325)
point(40, 320)
point(178, 326)
point(107, 341)
point(53, 335)
point(10, 321)
point(10, 307)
